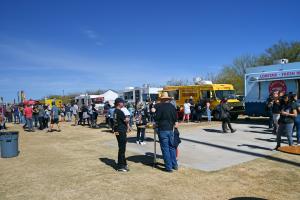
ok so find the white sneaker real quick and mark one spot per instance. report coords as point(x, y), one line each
point(143, 143)
point(137, 142)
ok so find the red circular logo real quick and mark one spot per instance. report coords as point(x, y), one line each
point(277, 86)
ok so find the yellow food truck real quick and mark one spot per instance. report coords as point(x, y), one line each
point(213, 93)
point(58, 102)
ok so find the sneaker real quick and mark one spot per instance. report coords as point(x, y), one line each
point(143, 143)
point(276, 148)
point(122, 170)
point(234, 130)
point(137, 142)
point(175, 168)
point(126, 167)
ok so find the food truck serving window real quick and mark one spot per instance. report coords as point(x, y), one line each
point(229, 94)
point(174, 93)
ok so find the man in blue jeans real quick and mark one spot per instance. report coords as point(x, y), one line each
point(166, 121)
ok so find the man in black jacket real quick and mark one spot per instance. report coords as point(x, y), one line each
point(166, 121)
point(120, 129)
point(225, 116)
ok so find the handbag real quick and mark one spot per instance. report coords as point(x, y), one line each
point(177, 139)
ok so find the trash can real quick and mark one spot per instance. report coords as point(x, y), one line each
point(9, 144)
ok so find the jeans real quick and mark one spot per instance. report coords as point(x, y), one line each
point(122, 140)
point(275, 123)
point(166, 139)
point(270, 119)
point(69, 116)
point(286, 130)
point(140, 136)
point(297, 124)
point(22, 119)
point(29, 123)
point(36, 120)
point(208, 112)
point(17, 118)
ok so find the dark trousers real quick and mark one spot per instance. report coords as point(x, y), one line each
point(198, 116)
point(16, 118)
point(122, 140)
point(41, 123)
point(46, 121)
point(140, 136)
point(35, 120)
point(226, 123)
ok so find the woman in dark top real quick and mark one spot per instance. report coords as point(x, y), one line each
point(297, 119)
point(276, 108)
point(286, 121)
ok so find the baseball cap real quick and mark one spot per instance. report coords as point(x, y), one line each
point(119, 100)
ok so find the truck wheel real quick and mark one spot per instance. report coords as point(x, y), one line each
point(234, 116)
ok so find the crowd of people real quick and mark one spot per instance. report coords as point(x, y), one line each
point(194, 111)
point(283, 109)
point(284, 116)
point(38, 116)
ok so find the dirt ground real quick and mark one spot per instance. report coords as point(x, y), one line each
point(75, 164)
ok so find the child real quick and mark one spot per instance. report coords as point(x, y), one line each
point(141, 122)
point(208, 111)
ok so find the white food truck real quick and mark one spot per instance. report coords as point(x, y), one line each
point(261, 81)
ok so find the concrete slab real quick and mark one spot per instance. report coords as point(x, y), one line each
point(208, 149)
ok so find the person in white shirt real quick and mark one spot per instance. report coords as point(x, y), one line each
point(187, 111)
point(74, 110)
point(127, 115)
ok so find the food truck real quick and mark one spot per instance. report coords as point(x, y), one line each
point(213, 93)
point(261, 81)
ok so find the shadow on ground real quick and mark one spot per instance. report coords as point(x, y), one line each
point(210, 130)
point(146, 160)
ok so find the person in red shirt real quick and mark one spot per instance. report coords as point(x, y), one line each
point(28, 117)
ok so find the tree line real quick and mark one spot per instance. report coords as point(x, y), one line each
point(234, 73)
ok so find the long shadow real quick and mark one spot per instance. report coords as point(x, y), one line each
point(254, 147)
point(261, 132)
point(284, 141)
point(145, 160)
point(245, 152)
point(257, 127)
point(109, 162)
point(247, 198)
point(256, 121)
point(133, 139)
point(210, 130)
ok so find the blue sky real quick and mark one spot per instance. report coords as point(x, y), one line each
point(50, 46)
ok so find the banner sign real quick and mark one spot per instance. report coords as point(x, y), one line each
point(283, 74)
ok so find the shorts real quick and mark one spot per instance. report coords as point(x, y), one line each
point(54, 121)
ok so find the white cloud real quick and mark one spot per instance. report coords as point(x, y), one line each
point(90, 34)
point(93, 35)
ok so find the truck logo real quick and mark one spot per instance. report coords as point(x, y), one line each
point(277, 86)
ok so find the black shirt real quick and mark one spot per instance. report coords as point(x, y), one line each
point(119, 121)
point(287, 108)
point(276, 107)
point(165, 117)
